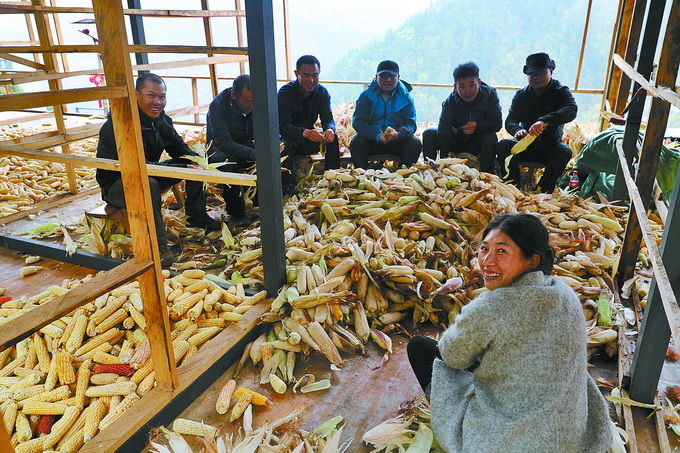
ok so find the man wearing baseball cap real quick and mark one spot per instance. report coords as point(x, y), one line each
point(385, 119)
point(540, 109)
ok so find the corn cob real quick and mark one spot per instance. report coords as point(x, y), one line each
point(212, 322)
point(60, 427)
point(71, 443)
point(124, 405)
point(118, 388)
point(231, 316)
point(49, 396)
point(147, 384)
point(76, 429)
point(242, 403)
point(141, 355)
point(30, 270)
point(107, 337)
point(224, 398)
point(104, 347)
point(10, 367)
point(82, 383)
point(65, 368)
point(121, 369)
point(257, 398)
point(103, 378)
point(42, 354)
point(75, 339)
point(112, 320)
point(96, 414)
point(52, 331)
point(107, 310)
point(142, 372)
point(180, 308)
point(203, 335)
point(9, 415)
point(27, 392)
point(43, 408)
point(31, 446)
point(136, 315)
point(23, 427)
point(44, 425)
point(105, 358)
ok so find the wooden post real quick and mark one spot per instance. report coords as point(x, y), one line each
point(239, 33)
point(630, 55)
point(603, 123)
point(286, 38)
point(5, 445)
point(651, 147)
point(51, 64)
point(125, 116)
point(194, 97)
point(583, 44)
point(208, 42)
point(60, 38)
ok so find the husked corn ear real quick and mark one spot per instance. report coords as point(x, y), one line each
point(83, 383)
point(181, 307)
point(118, 388)
point(186, 332)
point(198, 286)
point(124, 405)
point(136, 315)
point(60, 427)
point(213, 322)
point(44, 425)
point(147, 384)
point(27, 392)
point(114, 319)
point(106, 337)
point(193, 428)
point(65, 368)
point(203, 335)
point(224, 398)
point(257, 398)
point(103, 378)
point(22, 427)
point(31, 446)
point(105, 358)
point(75, 339)
point(43, 408)
point(49, 396)
point(9, 415)
point(241, 405)
point(95, 415)
point(121, 369)
point(142, 372)
point(41, 352)
point(193, 273)
point(71, 443)
point(30, 270)
point(231, 316)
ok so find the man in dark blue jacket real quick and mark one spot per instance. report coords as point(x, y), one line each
point(229, 135)
point(540, 109)
point(469, 120)
point(301, 102)
point(158, 135)
point(385, 119)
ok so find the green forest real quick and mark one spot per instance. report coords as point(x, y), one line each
point(497, 35)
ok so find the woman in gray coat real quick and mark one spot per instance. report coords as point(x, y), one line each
point(510, 374)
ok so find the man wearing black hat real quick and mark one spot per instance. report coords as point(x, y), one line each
point(540, 109)
point(385, 119)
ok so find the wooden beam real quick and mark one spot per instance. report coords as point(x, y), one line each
point(184, 111)
point(663, 92)
point(670, 303)
point(113, 436)
point(50, 139)
point(40, 76)
point(23, 61)
point(194, 97)
point(8, 8)
point(149, 48)
point(661, 432)
point(126, 127)
point(286, 41)
point(217, 177)
point(619, 40)
point(191, 62)
point(208, 42)
point(70, 48)
point(27, 324)
point(603, 123)
point(60, 38)
point(583, 44)
point(11, 102)
point(239, 35)
point(22, 119)
point(50, 202)
point(630, 53)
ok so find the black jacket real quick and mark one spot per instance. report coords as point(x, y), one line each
point(297, 113)
point(229, 132)
point(485, 110)
point(555, 106)
point(158, 135)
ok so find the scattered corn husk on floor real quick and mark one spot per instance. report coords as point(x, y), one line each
point(284, 435)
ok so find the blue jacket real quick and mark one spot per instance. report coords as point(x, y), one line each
point(373, 114)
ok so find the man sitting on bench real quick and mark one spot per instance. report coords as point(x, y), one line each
point(158, 134)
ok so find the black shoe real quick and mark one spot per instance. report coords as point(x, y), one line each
point(207, 223)
point(242, 220)
point(168, 257)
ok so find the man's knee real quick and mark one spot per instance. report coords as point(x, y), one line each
point(488, 139)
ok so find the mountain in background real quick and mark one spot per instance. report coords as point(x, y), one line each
point(497, 35)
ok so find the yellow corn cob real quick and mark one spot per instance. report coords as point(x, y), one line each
point(31, 446)
point(83, 383)
point(257, 399)
point(174, 294)
point(9, 415)
point(104, 357)
point(255, 298)
point(136, 315)
point(193, 273)
point(110, 308)
point(118, 388)
point(31, 379)
point(23, 427)
point(126, 351)
point(211, 299)
point(147, 384)
point(198, 286)
point(104, 347)
point(49, 396)
point(185, 281)
point(30, 270)
point(52, 331)
point(71, 443)
point(65, 368)
point(212, 322)
point(43, 408)
point(75, 338)
point(124, 405)
point(12, 366)
point(28, 392)
point(115, 318)
point(128, 323)
point(185, 333)
point(180, 348)
point(76, 429)
point(179, 308)
point(124, 290)
point(23, 372)
point(142, 372)
point(8, 381)
point(193, 428)
point(203, 335)
point(194, 312)
point(224, 398)
point(107, 337)
point(190, 352)
point(60, 427)
point(241, 309)
point(41, 352)
point(96, 414)
point(31, 357)
point(240, 406)
point(103, 378)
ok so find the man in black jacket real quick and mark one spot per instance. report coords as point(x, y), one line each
point(301, 102)
point(158, 135)
point(230, 137)
point(540, 109)
point(469, 120)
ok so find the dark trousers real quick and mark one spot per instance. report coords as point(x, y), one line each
point(407, 149)
point(232, 194)
point(194, 203)
point(421, 353)
point(554, 156)
point(297, 149)
point(481, 145)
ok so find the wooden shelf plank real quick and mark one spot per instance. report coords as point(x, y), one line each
point(50, 202)
point(22, 61)
point(150, 48)
point(68, 48)
point(8, 8)
point(10, 102)
point(50, 139)
point(114, 435)
point(152, 170)
point(25, 325)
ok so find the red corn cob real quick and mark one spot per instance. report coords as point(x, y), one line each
point(45, 425)
point(4, 299)
point(121, 369)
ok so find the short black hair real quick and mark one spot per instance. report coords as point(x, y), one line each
point(139, 83)
point(529, 234)
point(465, 71)
point(241, 83)
point(307, 59)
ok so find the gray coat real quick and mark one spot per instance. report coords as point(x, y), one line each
point(529, 391)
